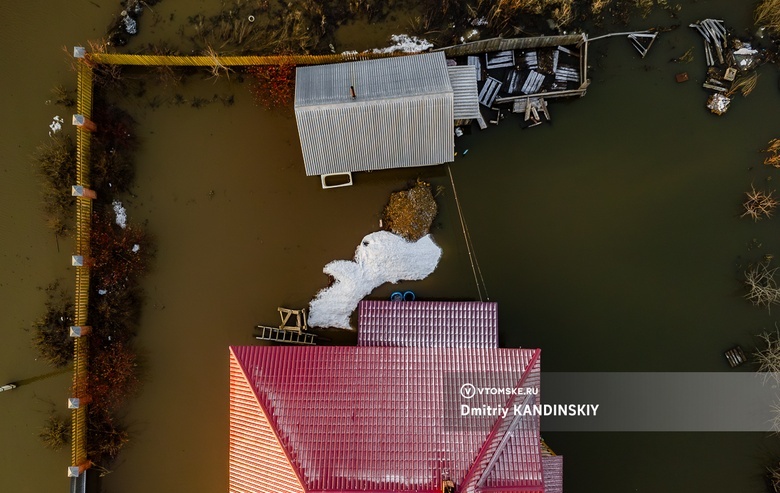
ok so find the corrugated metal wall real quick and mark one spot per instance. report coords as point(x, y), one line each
point(402, 115)
point(372, 135)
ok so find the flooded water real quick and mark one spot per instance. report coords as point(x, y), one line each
point(611, 239)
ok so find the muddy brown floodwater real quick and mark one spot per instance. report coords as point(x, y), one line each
point(611, 239)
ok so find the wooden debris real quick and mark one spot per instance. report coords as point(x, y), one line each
point(681, 77)
point(642, 42)
point(735, 356)
point(489, 91)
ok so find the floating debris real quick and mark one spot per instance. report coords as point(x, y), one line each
point(731, 64)
point(718, 103)
point(56, 125)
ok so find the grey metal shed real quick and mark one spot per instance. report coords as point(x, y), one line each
point(375, 114)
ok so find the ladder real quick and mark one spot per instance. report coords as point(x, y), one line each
point(289, 334)
point(286, 336)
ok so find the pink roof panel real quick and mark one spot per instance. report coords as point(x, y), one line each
point(386, 419)
point(428, 324)
point(553, 473)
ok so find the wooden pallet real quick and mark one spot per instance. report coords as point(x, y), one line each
point(735, 356)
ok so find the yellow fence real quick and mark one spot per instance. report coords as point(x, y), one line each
point(83, 228)
point(84, 205)
point(229, 61)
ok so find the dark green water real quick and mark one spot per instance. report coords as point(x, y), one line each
point(611, 239)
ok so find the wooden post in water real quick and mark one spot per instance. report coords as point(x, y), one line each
point(7, 387)
point(84, 123)
point(81, 191)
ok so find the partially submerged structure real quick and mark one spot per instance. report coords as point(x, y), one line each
point(375, 114)
point(522, 73)
point(402, 111)
point(379, 419)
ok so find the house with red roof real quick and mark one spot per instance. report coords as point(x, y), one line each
point(386, 419)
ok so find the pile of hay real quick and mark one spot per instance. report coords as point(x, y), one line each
point(410, 213)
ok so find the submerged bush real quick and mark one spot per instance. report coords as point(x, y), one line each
point(51, 332)
point(410, 213)
point(274, 85)
point(113, 148)
point(55, 161)
point(113, 375)
point(120, 255)
point(105, 436)
point(54, 433)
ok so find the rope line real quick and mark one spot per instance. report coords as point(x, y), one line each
point(475, 269)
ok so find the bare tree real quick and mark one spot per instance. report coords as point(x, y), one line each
point(768, 358)
point(759, 204)
point(762, 287)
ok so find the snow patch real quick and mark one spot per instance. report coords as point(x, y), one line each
point(121, 214)
point(136, 248)
point(405, 44)
point(380, 258)
point(102, 292)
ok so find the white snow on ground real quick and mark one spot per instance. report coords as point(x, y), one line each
point(56, 125)
point(136, 247)
point(381, 257)
point(121, 214)
point(406, 44)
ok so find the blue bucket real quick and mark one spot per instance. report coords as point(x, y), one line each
point(409, 296)
point(397, 296)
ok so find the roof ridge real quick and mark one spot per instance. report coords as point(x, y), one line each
point(496, 439)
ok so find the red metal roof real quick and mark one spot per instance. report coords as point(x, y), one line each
point(428, 324)
point(380, 419)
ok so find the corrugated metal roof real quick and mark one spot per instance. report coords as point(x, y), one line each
point(501, 44)
point(428, 324)
point(552, 465)
point(386, 419)
point(402, 115)
point(464, 86)
point(373, 80)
